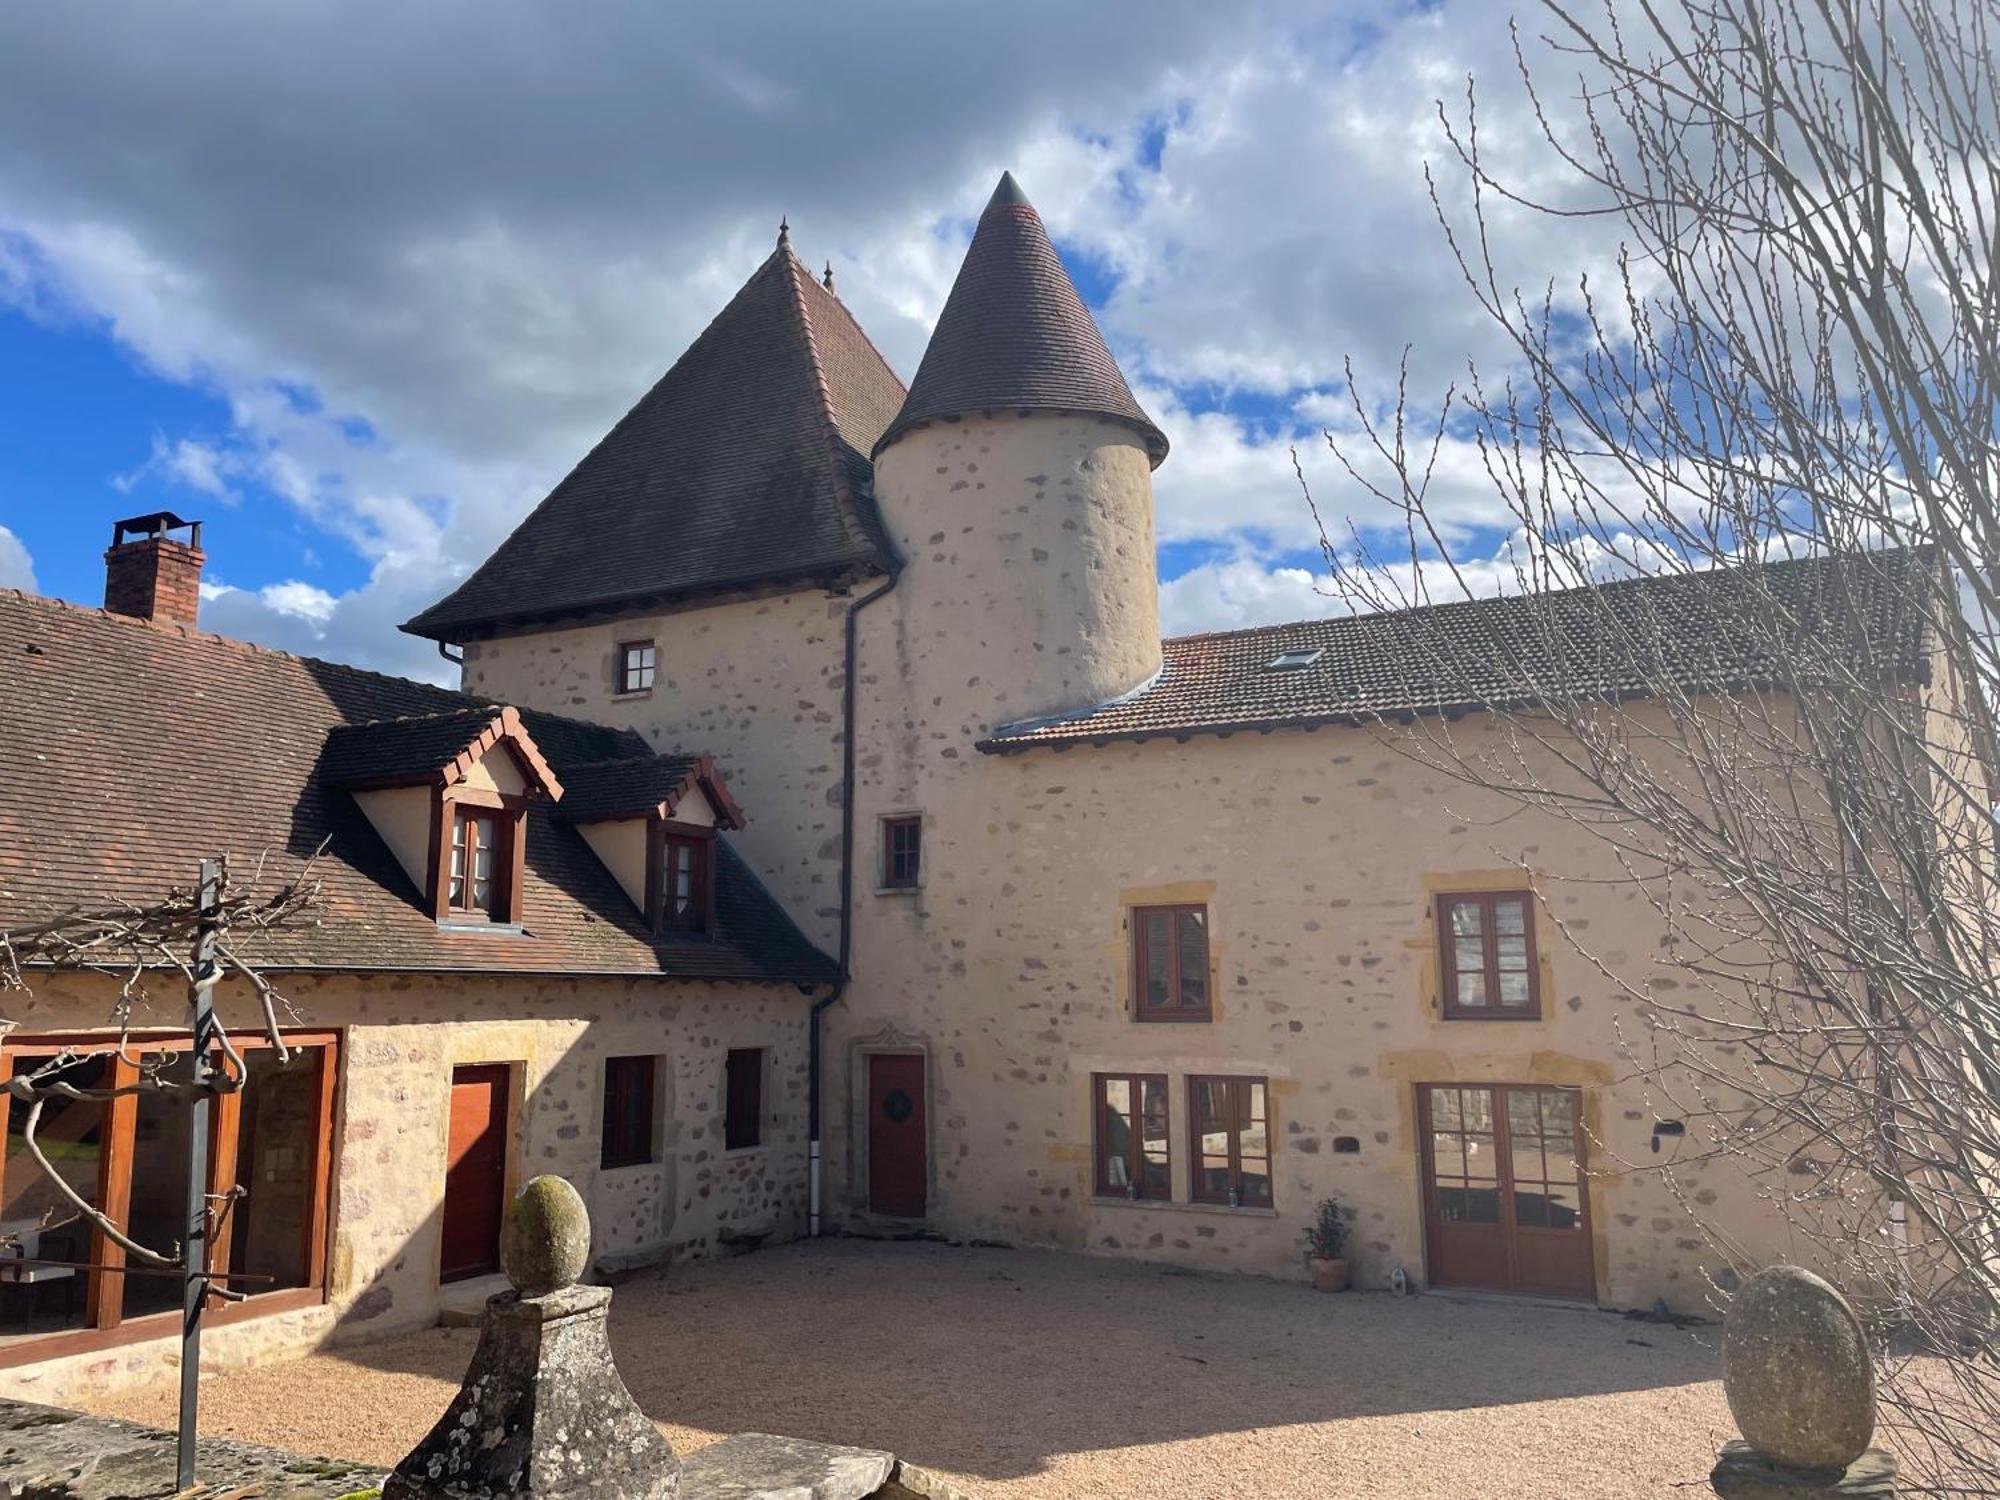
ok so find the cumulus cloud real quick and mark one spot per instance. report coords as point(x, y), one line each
point(471, 239)
point(17, 568)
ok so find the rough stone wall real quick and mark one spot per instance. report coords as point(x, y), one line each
point(1030, 584)
point(755, 683)
point(1319, 855)
point(402, 1036)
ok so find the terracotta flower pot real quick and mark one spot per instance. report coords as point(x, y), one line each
point(1327, 1275)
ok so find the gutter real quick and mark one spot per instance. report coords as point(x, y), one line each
point(815, 1068)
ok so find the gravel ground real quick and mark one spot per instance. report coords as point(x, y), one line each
point(1033, 1374)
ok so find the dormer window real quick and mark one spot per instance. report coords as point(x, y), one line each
point(684, 880)
point(475, 839)
point(449, 794)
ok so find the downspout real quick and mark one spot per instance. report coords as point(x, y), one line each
point(815, 1069)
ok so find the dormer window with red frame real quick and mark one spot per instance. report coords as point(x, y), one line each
point(685, 865)
point(449, 794)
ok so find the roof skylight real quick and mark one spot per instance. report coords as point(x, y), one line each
point(1292, 661)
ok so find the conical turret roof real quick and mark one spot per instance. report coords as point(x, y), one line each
point(746, 467)
point(1015, 336)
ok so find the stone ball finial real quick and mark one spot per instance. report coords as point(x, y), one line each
point(545, 1241)
point(1797, 1372)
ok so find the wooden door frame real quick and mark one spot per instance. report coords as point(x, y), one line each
point(862, 1117)
point(1504, 1180)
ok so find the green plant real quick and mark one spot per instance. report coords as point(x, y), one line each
point(1326, 1236)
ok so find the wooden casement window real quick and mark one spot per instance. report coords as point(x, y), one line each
point(1130, 1134)
point(480, 859)
point(1230, 1132)
point(902, 852)
point(1486, 958)
point(1170, 963)
point(65, 1287)
point(743, 1099)
point(683, 869)
point(630, 1087)
point(636, 662)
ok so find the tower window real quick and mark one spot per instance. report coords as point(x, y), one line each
point(635, 666)
point(902, 852)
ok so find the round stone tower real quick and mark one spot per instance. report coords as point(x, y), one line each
point(1016, 483)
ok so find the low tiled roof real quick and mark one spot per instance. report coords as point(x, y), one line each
point(1015, 336)
point(130, 750)
point(640, 784)
point(746, 466)
point(428, 747)
point(1711, 631)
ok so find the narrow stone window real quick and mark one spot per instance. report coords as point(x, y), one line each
point(902, 852)
point(1486, 957)
point(1170, 963)
point(743, 1099)
point(1130, 1135)
point(631, 1085)
point(635, 666)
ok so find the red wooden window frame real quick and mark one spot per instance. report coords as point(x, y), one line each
point(1240, 1092)
point(638, 665)
point(902, 852)
point(699, 845)
point(1449, 969)
point(106, 1327)
point(743, 1099)
point(1176, 1007)
point(1133, 1154)
point(631, 1086)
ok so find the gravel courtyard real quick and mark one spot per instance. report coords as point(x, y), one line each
point(1029, 1374)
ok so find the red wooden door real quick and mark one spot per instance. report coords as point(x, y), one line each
point(1504, 1200)
point(475, 1172)
point(897, 1170)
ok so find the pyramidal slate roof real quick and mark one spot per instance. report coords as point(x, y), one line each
point(747, 466)
point(1716, 631)
point(1015, 336)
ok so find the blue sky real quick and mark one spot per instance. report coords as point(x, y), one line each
point(356, 291)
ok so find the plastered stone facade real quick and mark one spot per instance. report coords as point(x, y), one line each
point(401, 1037)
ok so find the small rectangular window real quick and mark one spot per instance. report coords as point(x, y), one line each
point(475, 865)
point(902, 852)
point(635, 666)
point(1294, 661)
point(1230, 1128)
point(743, 1099)
point(1129, 1128)
point(630, 1084)
point(684, 874)
point(1170, 963)
point(1486, 957)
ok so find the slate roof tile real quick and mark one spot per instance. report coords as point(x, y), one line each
point(746, 465)
point(1715, 629)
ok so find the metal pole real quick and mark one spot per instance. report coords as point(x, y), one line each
point(194, 1258)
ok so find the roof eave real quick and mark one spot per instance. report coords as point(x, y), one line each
point(908, 422)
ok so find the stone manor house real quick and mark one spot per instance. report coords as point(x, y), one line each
point(824, 839)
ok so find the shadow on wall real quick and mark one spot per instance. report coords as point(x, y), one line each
point(991, 1363)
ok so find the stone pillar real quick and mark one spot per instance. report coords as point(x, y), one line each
point(542, 1412)
point(1801, 1385)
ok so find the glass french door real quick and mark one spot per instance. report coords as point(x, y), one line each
point(1504, 1201)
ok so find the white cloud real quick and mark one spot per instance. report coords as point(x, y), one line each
point(17, 568)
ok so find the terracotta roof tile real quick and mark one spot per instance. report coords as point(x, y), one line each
point(745, 466)
point(638, 785)
point(1715, 628)
point(1015, 336)
point(129, 750)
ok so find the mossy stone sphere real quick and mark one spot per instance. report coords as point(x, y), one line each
point(1797, 1371)
point(545, 1242)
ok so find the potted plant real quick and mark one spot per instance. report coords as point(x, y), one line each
point(1326, 1242)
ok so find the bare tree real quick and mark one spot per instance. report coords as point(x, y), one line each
point(1797, 358)
point(199, 943)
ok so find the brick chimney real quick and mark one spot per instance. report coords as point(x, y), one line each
point(151, 574)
